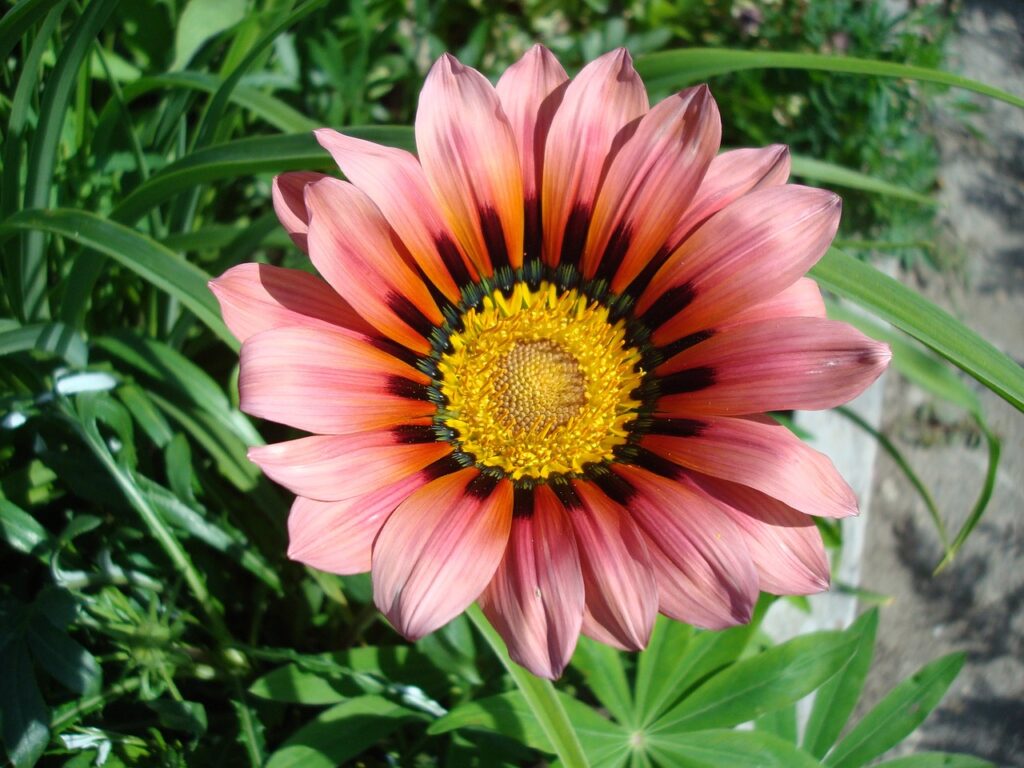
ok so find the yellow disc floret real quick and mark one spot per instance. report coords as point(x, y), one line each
point(539, 382)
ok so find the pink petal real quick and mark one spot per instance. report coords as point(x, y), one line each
point(338, 467)
point(744, 254)
point(329, 382)
point(256, 297)
point(731, 175)
point(784, 544)
point(394, 181)
point(705, 573)
point(439, 549)
point(469, 155)
point(790, 363)
point(535, 599)
point(801, 299)
point(621, 593)
point(352, 246)
point(759, 454)
point(530, 92)
point(649, 185)
point(338, 536)
point(605, 96)
point(288, 193)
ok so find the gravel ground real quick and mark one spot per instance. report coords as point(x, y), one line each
point(976, 605)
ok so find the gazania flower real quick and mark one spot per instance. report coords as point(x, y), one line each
point(538, 364)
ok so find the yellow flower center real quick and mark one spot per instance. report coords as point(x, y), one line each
point(539, 382)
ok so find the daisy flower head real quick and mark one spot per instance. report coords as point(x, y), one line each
point(538, 364)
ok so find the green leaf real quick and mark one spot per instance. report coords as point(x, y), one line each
point(294, 685)
point(21, 531)
point(910, 312)
point(246, 157)
point(19, 19)
point(936, 760)
point(753, 687)
point(837, 175)
point(50, 338)
point(719, 748)
point(30, 268)
point(142, 255)
point(510, 715)
point(200, 21)
point(188, 716)
point(904, 708)
point(835, 700)
point(602, 668)
point(24, 728)
point(681, 67)
point(63, 658)
point(340, 733)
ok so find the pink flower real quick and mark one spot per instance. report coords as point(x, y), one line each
point(538, 364)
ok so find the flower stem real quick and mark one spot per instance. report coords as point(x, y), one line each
point(540, 696)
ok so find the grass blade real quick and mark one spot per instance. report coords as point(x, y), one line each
point(19, 20)
point(144, 256)
point(681, 67)
point(893, 302)
point(837, 175)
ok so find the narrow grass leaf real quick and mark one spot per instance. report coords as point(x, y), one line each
point(836, 175)
point(905, 309)
point(718, 748)
point(904, 708)
point(142, 255)
point(835, 700)
point(761, 684)
point(54, 339)
point(245, 157)
point(936, 760)
point(681, 67)
point(19, 19)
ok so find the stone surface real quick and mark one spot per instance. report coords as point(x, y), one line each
point(977, 604)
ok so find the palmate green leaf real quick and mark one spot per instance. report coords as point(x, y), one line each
point(681, 67)
point(30, 296)
point(21, 531)
point(604, 742)
point(605, 675)
point(903, 709)
point(245, 157)
point(142, 255)
point(835, 700)
point(832, 174)
point(340, 733)
point(755, 686)
point(936, 760)
point(719, 748)
point(915, 315)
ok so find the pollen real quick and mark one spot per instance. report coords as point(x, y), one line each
point(539, 382)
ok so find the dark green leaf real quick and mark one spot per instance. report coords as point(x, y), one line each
point(936, 760)
point(753, 687)
point(188, 716)
point(835, 700)
point(897, 715)
point(18, 19)
point(25, 717)
point(21, 531)
point(62, 658)
point(340, 733)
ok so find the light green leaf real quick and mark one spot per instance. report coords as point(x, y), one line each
point(681, 67)
point(936, 760)
point(904, 708)
point(200, 21)
point(910, 312)
point(720, 748)
point(142, 255)
point(755, 686)
point(340, 733)
point(836, 699)
point(602, 668)
point(21, 531)
point(294, 685)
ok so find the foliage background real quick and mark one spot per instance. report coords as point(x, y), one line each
point(147, 614)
